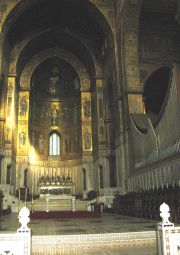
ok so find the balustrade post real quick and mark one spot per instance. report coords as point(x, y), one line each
point(163, 227)
point(24, 232)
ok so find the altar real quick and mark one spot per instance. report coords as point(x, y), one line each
point(55, 185)
point(56, 188)
point(49, 197)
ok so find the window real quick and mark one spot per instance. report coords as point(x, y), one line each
point(54, 144)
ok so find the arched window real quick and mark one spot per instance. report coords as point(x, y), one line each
point(54, 144)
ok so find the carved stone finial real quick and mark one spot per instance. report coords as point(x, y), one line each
point(164, 209)
point(24, 220)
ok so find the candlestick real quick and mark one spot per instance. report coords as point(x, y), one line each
point(25, 196)
point(32, 199)
point(19, 194)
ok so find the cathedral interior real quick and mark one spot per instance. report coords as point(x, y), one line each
point(89, 121)
point(89, 95)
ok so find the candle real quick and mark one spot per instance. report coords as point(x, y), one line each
point(32, 194)
point(19, 194)
point(25, 195)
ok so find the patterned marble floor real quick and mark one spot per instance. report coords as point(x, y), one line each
point(109, 223)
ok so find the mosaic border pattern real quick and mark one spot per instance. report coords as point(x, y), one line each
point(53, 244)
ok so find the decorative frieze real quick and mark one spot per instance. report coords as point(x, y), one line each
point(61, 243)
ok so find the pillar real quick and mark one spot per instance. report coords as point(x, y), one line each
point(87, 146)
point(22, 133)
point(10, 111)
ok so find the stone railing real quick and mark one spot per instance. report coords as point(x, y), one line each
point(18, 243)
point(168, 234)
point(77, 244)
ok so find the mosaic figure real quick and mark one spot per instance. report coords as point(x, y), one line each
point(53, 80)
point(87, 141)
point(87, 108)
point(41, 144)
point(54, 116)
point(22, 139)
point(22, 106)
